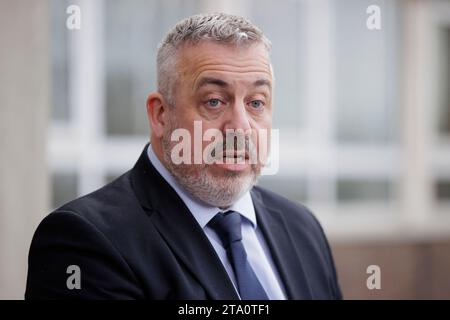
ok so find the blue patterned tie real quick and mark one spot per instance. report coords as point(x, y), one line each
point(228, 227)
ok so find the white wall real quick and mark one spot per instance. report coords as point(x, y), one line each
point(24, 101)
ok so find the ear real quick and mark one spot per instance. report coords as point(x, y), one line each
point(157, 113)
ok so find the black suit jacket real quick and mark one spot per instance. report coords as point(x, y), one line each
point(135, 239)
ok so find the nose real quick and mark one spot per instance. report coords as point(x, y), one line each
point(237, 117)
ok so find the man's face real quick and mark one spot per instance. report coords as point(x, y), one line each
point(226, 88)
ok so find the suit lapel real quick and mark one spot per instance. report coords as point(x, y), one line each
point(190, 244)
point(180, 230)
point(281, 246)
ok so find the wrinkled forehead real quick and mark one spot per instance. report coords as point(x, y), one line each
point(207, 57)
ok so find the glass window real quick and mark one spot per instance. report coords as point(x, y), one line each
point(444, 80)
point(293, 188)
point(64, 187)
point(59, 63)
point(132, 31)
point(442, 190)
point(366, 72)
point(287, 54)
point(359, 190)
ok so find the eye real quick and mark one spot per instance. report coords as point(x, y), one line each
point(213, 103)
point(256, 104)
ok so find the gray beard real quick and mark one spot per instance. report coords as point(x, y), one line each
point(218, 191)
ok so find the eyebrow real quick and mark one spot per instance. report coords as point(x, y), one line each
point(262, 82)
point(218, 82)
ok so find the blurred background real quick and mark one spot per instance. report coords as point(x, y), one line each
point(364, 120)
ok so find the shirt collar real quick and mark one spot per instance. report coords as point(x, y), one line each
point(201, 211)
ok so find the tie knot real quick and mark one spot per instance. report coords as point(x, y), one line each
point(227, 226)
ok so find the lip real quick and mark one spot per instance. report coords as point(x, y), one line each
point(233, 166)
point(234, 154)
point(234, 163)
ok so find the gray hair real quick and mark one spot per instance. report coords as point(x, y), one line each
point(220, 27)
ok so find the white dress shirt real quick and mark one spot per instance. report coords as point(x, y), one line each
point(257, 251)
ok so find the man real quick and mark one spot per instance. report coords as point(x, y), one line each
point(195, 228)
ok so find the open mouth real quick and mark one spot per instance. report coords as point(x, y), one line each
point(236, 155)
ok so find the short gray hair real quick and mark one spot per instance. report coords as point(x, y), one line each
point(220, 27)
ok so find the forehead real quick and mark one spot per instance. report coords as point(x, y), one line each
point(205, 59)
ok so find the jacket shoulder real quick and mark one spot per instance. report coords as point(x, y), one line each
point(292, 211)
point(105, 200)
point(96, 232)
